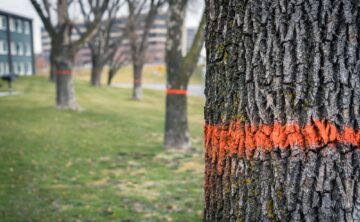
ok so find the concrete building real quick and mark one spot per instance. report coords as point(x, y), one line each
point(156, 42)
point(16, 45)
point(188, 38)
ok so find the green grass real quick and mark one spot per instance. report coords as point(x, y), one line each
point(153, 73)
point(106, 163)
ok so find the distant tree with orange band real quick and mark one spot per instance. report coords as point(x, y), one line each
point(179, 70)
point(142, 13)
point(282, 111)
point(63, 47)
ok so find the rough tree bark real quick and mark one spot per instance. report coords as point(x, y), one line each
point(63, 47)
point(138, 42)
point(282, 110)
point(179, 70)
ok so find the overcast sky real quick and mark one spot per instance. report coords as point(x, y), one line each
point(24, 8)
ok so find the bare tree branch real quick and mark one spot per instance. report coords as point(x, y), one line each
point(46, 20)
point(93, 27)
point(69, 2)
point(83, 11)
point(136, 8)
point(47, 9)
point(154, 7)
point(194, 53)
point(101, 43)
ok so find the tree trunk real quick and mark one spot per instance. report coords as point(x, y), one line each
point(52, 74)
point(176, 122)
point(111, 75)
point(96, 76)
point(63, 47)
point(176, 134)
point(96, 69)
point(65, 93)
point(137, 90)
point(282, 111)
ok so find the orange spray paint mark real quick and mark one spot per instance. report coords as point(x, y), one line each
point(262, 137)
point(137, 81)
point(349, 136)
point(294, 136)
point(241, 138)
point(278, 136)
point(176, 91)
point(234, 134)
point(312, 140)
point(63, 72)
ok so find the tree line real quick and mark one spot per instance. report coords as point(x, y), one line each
point(100, 17)
point(282, 110)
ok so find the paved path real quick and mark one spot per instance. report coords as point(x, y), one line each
point(14, 93)
point(193, 89)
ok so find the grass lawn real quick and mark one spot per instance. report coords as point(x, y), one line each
point(106, 163)
point(153, 73)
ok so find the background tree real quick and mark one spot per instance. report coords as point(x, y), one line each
point(52, 74)
point(103, 46)
point(118, 60)
point(141, 14)
point(63, 47)
point(282, 111)
point(48, 7)
point(179, 70)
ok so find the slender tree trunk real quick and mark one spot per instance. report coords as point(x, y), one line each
point(111, 75)
point(137, 90)
point(96, 75)
point(139, 42)
point(52, 74)
point(176, 124)
point(65, 93)
point(179, 70)
point(282, 111)
point(96, 69)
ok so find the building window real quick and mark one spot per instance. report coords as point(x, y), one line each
point(3, 22)
point(2, 68)
point(27, 49)
point(19, 26)
point(13, 48)
point(20, 68)
point(3, 47)
point(12, 25)
point(26, 27)
point(15, 70)
point(28, 68)
point(20, 48)
point(7, 68)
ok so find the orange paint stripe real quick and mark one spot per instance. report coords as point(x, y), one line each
point(243, 139)
point(176, 91)
point(63, 72)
